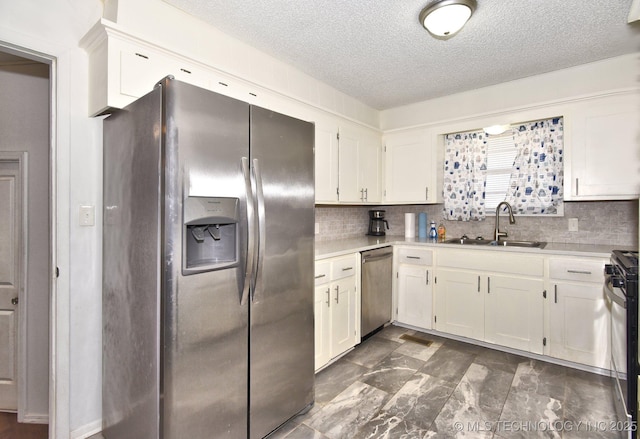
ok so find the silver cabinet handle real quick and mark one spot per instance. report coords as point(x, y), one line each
point(578, 271)
point(328, 297)
point(427, 277)
point(426, 193)
point(478, 284)
point(338, 294)
point(488, 285)
point(366, 194)
point(320, 276)
point(413, 257)
point(555, 294)
point(347, 269)
point(361, 194)
point(577, 191)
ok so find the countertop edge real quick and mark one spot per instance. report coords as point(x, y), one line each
point(329, 249)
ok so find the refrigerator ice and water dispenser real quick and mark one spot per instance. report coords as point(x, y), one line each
point(210, 240)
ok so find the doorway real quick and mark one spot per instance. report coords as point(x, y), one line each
point(25, 237)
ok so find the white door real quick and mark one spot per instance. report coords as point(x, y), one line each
point(460, 303)
point(322, 308)
point(343, 319)
point(414, 296)
point(579, 324)
point(514, 312)
point(11, 272)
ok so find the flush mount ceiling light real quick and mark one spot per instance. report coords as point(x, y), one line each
point(446, 17)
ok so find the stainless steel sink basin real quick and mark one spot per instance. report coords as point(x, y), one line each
point(505, 243)
point(527, 244)
point(468, 241)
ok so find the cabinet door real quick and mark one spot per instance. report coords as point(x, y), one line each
point(514, 312)
point(579, 324)
point(343, 315)
point(369, 160)
point(407, 167)
point(460, 303)
point(326, 162)
point(348, 167)
point(415, 300)
point(322, 308)
point(604, 161)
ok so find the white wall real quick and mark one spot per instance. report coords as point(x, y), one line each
point(614, 74)
point(53, 29)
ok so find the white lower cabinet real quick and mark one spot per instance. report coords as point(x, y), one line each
point(415, 287)
point(493, 297)
point(579, 321)
point(337, 307)
point(459, 303)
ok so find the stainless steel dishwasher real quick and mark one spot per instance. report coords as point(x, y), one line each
point(376, 289)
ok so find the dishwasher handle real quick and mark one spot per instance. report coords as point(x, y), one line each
point(376, 258)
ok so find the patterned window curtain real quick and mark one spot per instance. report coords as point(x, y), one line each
point(536, 184)
point(465, 170)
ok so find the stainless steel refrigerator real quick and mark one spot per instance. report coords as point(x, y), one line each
point(207, 267)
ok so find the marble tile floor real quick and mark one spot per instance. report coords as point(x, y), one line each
point(390, 388)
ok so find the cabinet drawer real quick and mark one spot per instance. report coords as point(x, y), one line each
point(585, 270)
point(343, 267)
point(322, 272)
point(415, 256)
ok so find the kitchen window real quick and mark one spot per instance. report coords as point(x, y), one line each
point(523, 166)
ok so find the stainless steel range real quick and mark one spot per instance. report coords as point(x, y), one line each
point(621, 290)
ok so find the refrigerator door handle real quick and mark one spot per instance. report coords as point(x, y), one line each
point(251, 239)
point(257, 284)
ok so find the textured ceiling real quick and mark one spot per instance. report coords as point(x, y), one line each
point(377, 51)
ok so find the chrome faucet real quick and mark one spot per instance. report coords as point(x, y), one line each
point(497, 234)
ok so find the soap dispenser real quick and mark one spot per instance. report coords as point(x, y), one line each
point(433, 233)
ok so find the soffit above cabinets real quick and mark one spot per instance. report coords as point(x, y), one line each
point(380, 54)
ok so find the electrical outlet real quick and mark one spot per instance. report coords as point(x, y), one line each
point(87, 215)
point(573, 224)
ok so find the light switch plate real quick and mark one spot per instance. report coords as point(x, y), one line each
point(87, 215)
point(573, 224)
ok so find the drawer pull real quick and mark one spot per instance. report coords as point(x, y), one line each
point(578, 271)
point(347, 269)
point(413, 257)
point(328, 297)
point(338, 294)
point(320, 276)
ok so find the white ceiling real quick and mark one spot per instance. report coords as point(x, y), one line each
point(377, 51)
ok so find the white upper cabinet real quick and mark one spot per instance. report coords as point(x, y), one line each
point(359, 160)
point(326, 161)
point(409, 168)
point(603, 149)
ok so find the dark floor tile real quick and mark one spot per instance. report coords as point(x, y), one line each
point(543, 378)
point(448, 364)
point(372, 351)
point(391, 373)
point(393, 333)
point(384, 426)
point(418, 402)
point(349, 411)
point(334, 379)
point(504, 361)
point(301, 432)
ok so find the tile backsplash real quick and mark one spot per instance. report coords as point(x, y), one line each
point(599, 222)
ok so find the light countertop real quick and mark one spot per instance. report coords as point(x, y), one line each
point(339, 247)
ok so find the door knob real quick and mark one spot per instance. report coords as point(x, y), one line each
point(14, 301)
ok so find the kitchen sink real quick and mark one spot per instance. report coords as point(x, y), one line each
point(527, 244)
point(468, 241)
point(505, 243)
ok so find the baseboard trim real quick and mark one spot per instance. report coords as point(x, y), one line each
point(35, 419)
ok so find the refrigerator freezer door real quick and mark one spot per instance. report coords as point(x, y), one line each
point(131, 271)
point(205, 332)
point(281, 312)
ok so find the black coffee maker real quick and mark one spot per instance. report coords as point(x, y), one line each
point(377, 223)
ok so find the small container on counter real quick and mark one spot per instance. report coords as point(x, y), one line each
point(433, 233)
point(442, 233)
